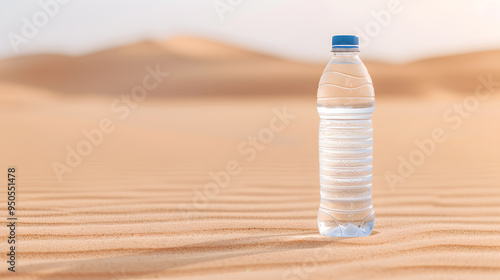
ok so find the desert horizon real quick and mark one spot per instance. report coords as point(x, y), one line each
point(206, 68)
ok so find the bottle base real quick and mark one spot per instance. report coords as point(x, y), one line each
point(333, 228)
point(348, 230)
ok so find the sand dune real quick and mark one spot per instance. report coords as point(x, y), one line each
point(201, 68)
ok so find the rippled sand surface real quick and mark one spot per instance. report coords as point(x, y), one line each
point(143, 205)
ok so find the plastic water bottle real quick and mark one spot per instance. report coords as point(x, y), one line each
point(345, 106)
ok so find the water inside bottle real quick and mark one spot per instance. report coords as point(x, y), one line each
point(345, 105)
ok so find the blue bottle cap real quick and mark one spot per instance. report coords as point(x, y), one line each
point(342, 42)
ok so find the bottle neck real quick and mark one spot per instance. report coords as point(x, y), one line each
point(344, 57)
point(345, 54)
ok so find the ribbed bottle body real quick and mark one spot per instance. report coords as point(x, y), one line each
point(345, 106)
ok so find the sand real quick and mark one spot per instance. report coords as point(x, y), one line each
point(143, 204)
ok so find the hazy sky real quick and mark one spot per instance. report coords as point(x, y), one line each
point(394, 30)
